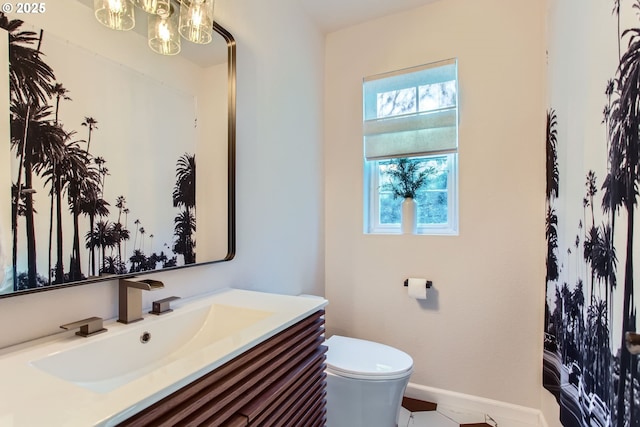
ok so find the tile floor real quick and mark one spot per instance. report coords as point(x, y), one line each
point(424, 414)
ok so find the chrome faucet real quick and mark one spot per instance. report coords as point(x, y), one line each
point(130, 298)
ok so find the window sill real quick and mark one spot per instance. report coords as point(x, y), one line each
point(420, 232)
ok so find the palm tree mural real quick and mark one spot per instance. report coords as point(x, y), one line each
point(625, 143)
point(86, 237)
point(609, 374)
point(184, 196)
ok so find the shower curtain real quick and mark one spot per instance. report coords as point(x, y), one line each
point(592, 234)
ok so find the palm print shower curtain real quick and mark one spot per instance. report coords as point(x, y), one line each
point(593, 173)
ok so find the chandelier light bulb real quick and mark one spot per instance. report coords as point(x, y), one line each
point(196, 21)
point(115, 14)
point(163, 33)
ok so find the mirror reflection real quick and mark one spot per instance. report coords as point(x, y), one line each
point(103, 139)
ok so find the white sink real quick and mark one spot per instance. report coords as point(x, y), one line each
point(105, 379)
point(106, 362)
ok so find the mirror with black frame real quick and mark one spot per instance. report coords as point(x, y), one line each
point(103, 137)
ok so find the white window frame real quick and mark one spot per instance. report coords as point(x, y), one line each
point(372, 194)
point(432, 145)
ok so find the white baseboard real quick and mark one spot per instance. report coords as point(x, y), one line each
point(505, 414)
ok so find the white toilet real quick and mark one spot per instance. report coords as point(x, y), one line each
point(365, 382)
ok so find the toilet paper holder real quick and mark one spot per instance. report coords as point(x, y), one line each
point(429, 283)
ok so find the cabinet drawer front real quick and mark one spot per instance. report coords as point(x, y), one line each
point(277, 382)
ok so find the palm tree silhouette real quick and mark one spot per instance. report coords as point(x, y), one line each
point(135, 238)
point(590, 184)
point(592, 189)
point(80, 184)
point(184, 196)
point(566, 310)
point(551, 232)
point(92, 205)
point(90, 123)
point(104, 235)
point(590, 242)
point(142, 231)
point(120, 234)
point(37, 140)
point(185, 225)
point(126, 227)
point(616, 11)
point(578, 302)
point(120, 204)
point(552, 186)
point(137, 261)
point(598, 331)
point(73, 163)
point(604, 257)
point(553, 174)
point(103, 170)
point(60, 93)
point(111, 265)
point(30, 77)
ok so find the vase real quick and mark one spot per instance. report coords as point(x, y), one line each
point(408, 216)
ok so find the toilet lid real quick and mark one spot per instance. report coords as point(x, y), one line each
point(356, 358)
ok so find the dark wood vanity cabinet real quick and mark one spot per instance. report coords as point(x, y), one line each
point(280, 382)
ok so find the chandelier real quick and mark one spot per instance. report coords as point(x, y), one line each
point(193, 22)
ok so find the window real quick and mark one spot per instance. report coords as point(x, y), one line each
point(412, 114)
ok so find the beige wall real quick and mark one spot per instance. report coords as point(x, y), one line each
point(480, 332)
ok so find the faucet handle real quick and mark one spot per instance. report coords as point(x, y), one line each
point(88, 327)
point(162, 306)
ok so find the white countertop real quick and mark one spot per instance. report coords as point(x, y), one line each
point(30, 397)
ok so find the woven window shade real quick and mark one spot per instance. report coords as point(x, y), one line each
point(431, 131)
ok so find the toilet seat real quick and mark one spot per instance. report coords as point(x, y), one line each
point(366, 360)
